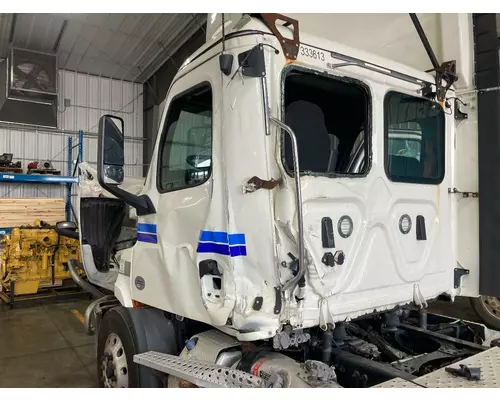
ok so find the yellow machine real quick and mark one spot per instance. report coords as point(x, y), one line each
point(35, 257)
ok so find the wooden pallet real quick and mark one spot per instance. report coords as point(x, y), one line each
point(11, 170)
point(24, 211)
point(44, 172)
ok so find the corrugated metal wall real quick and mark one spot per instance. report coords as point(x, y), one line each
point(89, 97)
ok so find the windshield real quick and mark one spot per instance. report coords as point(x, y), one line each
point(414, 139)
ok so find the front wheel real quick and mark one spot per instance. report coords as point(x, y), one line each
point(116, 346)
point(118, 340)
point(488, 309)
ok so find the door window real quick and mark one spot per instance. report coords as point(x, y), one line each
point(414, 139)
point(185, 157)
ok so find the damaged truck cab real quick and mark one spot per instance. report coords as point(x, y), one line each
point(296, 184)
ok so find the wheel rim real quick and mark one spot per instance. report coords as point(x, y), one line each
point(492, 305)
point(114, 368)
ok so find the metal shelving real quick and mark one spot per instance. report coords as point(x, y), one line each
point(68, 180)
point(31, 178)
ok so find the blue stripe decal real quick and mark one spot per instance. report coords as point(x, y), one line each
point(147, 228)
point(238, 251)
point(224, 249)
point(147, 237)
point(218, 237)
point(237, 238)
point(213, 248)
point(222, 237)
point(233, 244)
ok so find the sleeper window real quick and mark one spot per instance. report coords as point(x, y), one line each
point(330, 120)
point(414, 139)
point(186, 147)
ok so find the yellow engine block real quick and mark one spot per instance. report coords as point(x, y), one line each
point(35, 257)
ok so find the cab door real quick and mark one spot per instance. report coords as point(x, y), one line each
point(180, 183)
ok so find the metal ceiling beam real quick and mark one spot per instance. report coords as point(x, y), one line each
point(153, 35)
point(200, 25)
point(183, 31)
point(128, 52)
point(60, 35)
point(13, 28)
point(173, 46)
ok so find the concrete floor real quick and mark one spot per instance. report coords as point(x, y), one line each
point(46, 346)
point(461, 309)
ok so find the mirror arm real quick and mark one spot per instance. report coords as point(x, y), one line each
point(68, 233)
point(142, 204)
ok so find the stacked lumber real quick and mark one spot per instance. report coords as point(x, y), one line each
point(17, 212)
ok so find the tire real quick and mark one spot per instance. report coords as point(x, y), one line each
point(117, 343)
point(488, 309)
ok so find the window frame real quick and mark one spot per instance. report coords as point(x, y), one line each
point(164, 133)
point(369, 125)
point(412, 181)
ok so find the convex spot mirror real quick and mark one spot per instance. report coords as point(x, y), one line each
point(199, 161)
point(70, 225)
point(111, 157)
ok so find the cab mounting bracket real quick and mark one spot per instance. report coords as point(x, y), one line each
point(457, 276)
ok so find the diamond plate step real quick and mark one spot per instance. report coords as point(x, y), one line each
point(398, 383)
point(200, 373)
point(488, 361)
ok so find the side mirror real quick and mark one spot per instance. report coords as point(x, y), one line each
point(110, 162)
point(111, 153)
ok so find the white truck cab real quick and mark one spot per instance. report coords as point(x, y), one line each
point(296, 185)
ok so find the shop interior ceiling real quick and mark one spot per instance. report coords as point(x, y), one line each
point(128, 47)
